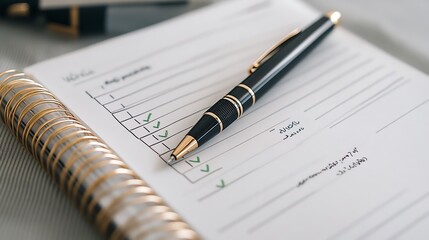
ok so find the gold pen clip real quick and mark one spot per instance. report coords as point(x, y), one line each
point(268, 53)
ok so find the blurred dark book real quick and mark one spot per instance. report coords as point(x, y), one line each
point(70, 17)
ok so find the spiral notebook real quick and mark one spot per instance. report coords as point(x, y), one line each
point(335, 151)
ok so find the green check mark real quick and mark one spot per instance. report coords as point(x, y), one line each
point(196, 160)
point(148, 117)
point(165, 134)
point(206, 169)
point(157, 125)
point(222, 184)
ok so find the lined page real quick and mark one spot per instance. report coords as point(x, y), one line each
point(335, 151)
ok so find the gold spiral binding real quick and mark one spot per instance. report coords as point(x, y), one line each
point(23, 94)
point(119, 170)
point(52, 137)
point(55, 162)
point(72, 161)
point(37, 140)
point(77, 135)
point(26, 131)
point(119, 203)
point(135, 221)
point(141, 219)
point(106, 190)
point(131, 183)
point(85, 169)
point(5, 90)
point(67, 147)
point(112, 209)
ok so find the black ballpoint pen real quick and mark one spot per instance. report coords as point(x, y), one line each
point(264, 73)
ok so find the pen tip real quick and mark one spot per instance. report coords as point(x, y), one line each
point(171, 160)
point(334, 16)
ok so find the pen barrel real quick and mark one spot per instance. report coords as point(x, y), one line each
point(288, 55)
point(242, 97)
point(214, 121)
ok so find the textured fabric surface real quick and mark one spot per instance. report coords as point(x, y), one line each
point(31, 204)
point(32, 207)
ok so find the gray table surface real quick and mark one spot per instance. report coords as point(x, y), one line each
point(32, 207)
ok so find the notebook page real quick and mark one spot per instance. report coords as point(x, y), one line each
point(335, 151)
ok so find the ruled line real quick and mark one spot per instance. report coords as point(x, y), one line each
point(174, 110)
point(208, 33)
point(282, 211)
point(373, 99)
point(265, 163)
point(140, 91)
point(211, 57)
point(392, 217)
point(321, 87)
point(306, 83)
point(409, 226)
point(255, 210)
point(402, 116)
point(237, 145)
point(170, 136)
point(276, 183)
point(202, 177)
point(235, 133)
point(354, 95)
point(229, 184)
point(174, 122)
point(368, 214)
point(353, 82)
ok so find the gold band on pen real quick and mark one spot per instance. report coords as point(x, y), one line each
point(238, 103)
point(235, 105)
point(216, 118)
point(250, 92)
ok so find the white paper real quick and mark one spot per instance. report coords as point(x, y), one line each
point(335, 151)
